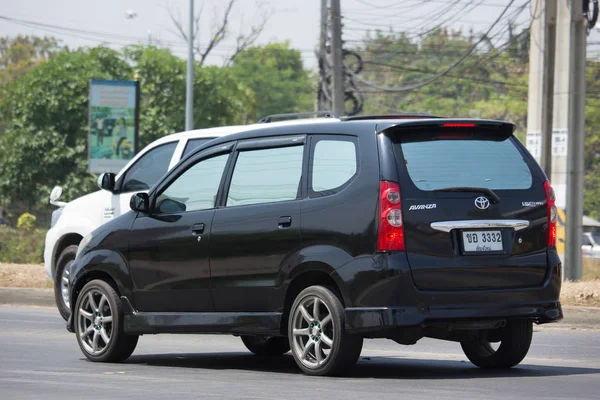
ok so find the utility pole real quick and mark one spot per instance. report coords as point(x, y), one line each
point(336, 50)
point(320, 103)
point(541, 82)
point(189, 88)
point(569, 127)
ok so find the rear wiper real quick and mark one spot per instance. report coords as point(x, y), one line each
point(486, 191)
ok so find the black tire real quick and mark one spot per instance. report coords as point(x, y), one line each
point(515, 339)
point(345, 349)
point(65, 260)
point(121, 345)
point(267, 345)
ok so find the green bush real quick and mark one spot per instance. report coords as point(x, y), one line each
point(21, 246)
point(26, 221)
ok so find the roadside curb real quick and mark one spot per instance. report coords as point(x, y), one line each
point(575, 317)
point(27, 297)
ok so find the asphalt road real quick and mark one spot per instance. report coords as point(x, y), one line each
point(40, 359)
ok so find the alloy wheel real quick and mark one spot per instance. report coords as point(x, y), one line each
point(313, 332)
point(95, 319)
point(64, 284)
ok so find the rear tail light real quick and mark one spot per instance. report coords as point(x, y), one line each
point(552, 213)
point(391, 229)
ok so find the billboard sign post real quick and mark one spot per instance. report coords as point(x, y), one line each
point(113, 124)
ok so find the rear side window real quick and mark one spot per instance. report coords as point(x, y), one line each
point(193, 144)
point(149, 168)
point(334, 164)
point(439, 164)
point(266, 176)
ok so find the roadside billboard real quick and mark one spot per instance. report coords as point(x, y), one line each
point(113, 124)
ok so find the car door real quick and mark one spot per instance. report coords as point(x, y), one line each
point(139, 177)
point(168, 251)
point(257, 225)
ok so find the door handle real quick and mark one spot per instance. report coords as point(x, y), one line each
point(197, 229)
point(285, 222)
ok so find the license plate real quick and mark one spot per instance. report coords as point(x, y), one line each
point(482, 241)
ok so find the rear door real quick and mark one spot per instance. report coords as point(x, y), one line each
point(258, 226)
point(460, 235)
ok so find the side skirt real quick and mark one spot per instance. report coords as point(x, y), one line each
point(251, 323)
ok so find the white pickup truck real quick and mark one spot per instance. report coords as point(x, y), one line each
point(72, 221)
point(590, 244)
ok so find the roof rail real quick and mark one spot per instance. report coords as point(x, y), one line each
point(408, 115)
point(270, 118)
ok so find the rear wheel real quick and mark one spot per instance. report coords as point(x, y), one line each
point(98, 322)
point(514, 341)
point(61, 280)
point(266, 345)
point(317, 337)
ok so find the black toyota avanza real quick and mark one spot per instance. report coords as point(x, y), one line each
point(313, 237)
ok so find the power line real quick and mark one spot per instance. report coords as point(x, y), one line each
point(445, 72)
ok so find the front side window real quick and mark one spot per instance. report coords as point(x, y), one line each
point(333, 165)
point(196, 189)
point(149, 168)
point(266, 176)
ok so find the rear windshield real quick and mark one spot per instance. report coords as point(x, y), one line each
point(492, 164)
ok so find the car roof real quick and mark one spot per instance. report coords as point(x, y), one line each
point(227, 130)
point(344, 127)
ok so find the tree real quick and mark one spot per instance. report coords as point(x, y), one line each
point(45, 143)
point(276, 75)
point(47, 110)
point(221, 30)
point(20, 54)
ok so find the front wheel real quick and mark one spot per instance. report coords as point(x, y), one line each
point(61, 281)
point(316, 330)
point(98, 318)
point(514, 341)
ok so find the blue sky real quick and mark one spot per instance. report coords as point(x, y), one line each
point(294, 20)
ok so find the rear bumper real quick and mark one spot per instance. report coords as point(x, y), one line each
point(381, 295)
point(375, 319)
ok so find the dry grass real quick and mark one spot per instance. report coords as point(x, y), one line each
point(24, 275)
point(591, 269)
point(584, 293)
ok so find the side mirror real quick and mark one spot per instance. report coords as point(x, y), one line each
point(106, 181)
point(55, 195)
point(140, 202)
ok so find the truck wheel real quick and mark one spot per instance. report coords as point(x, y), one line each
point(98, 319)
point(266, 345)
point(514, 339)
point(317, 335)
point(61, 280)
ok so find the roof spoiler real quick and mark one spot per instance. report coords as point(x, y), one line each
point(502, 128)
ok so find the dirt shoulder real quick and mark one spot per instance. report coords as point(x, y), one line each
point(24, 276)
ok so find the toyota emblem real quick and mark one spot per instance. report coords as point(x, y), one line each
point(482, 203)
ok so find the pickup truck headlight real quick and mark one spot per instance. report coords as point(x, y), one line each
point(55, 216)
point(84, 242)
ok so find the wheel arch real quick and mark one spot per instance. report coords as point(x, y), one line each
point(69, 239)
point(310, 274)
point(106, 265)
